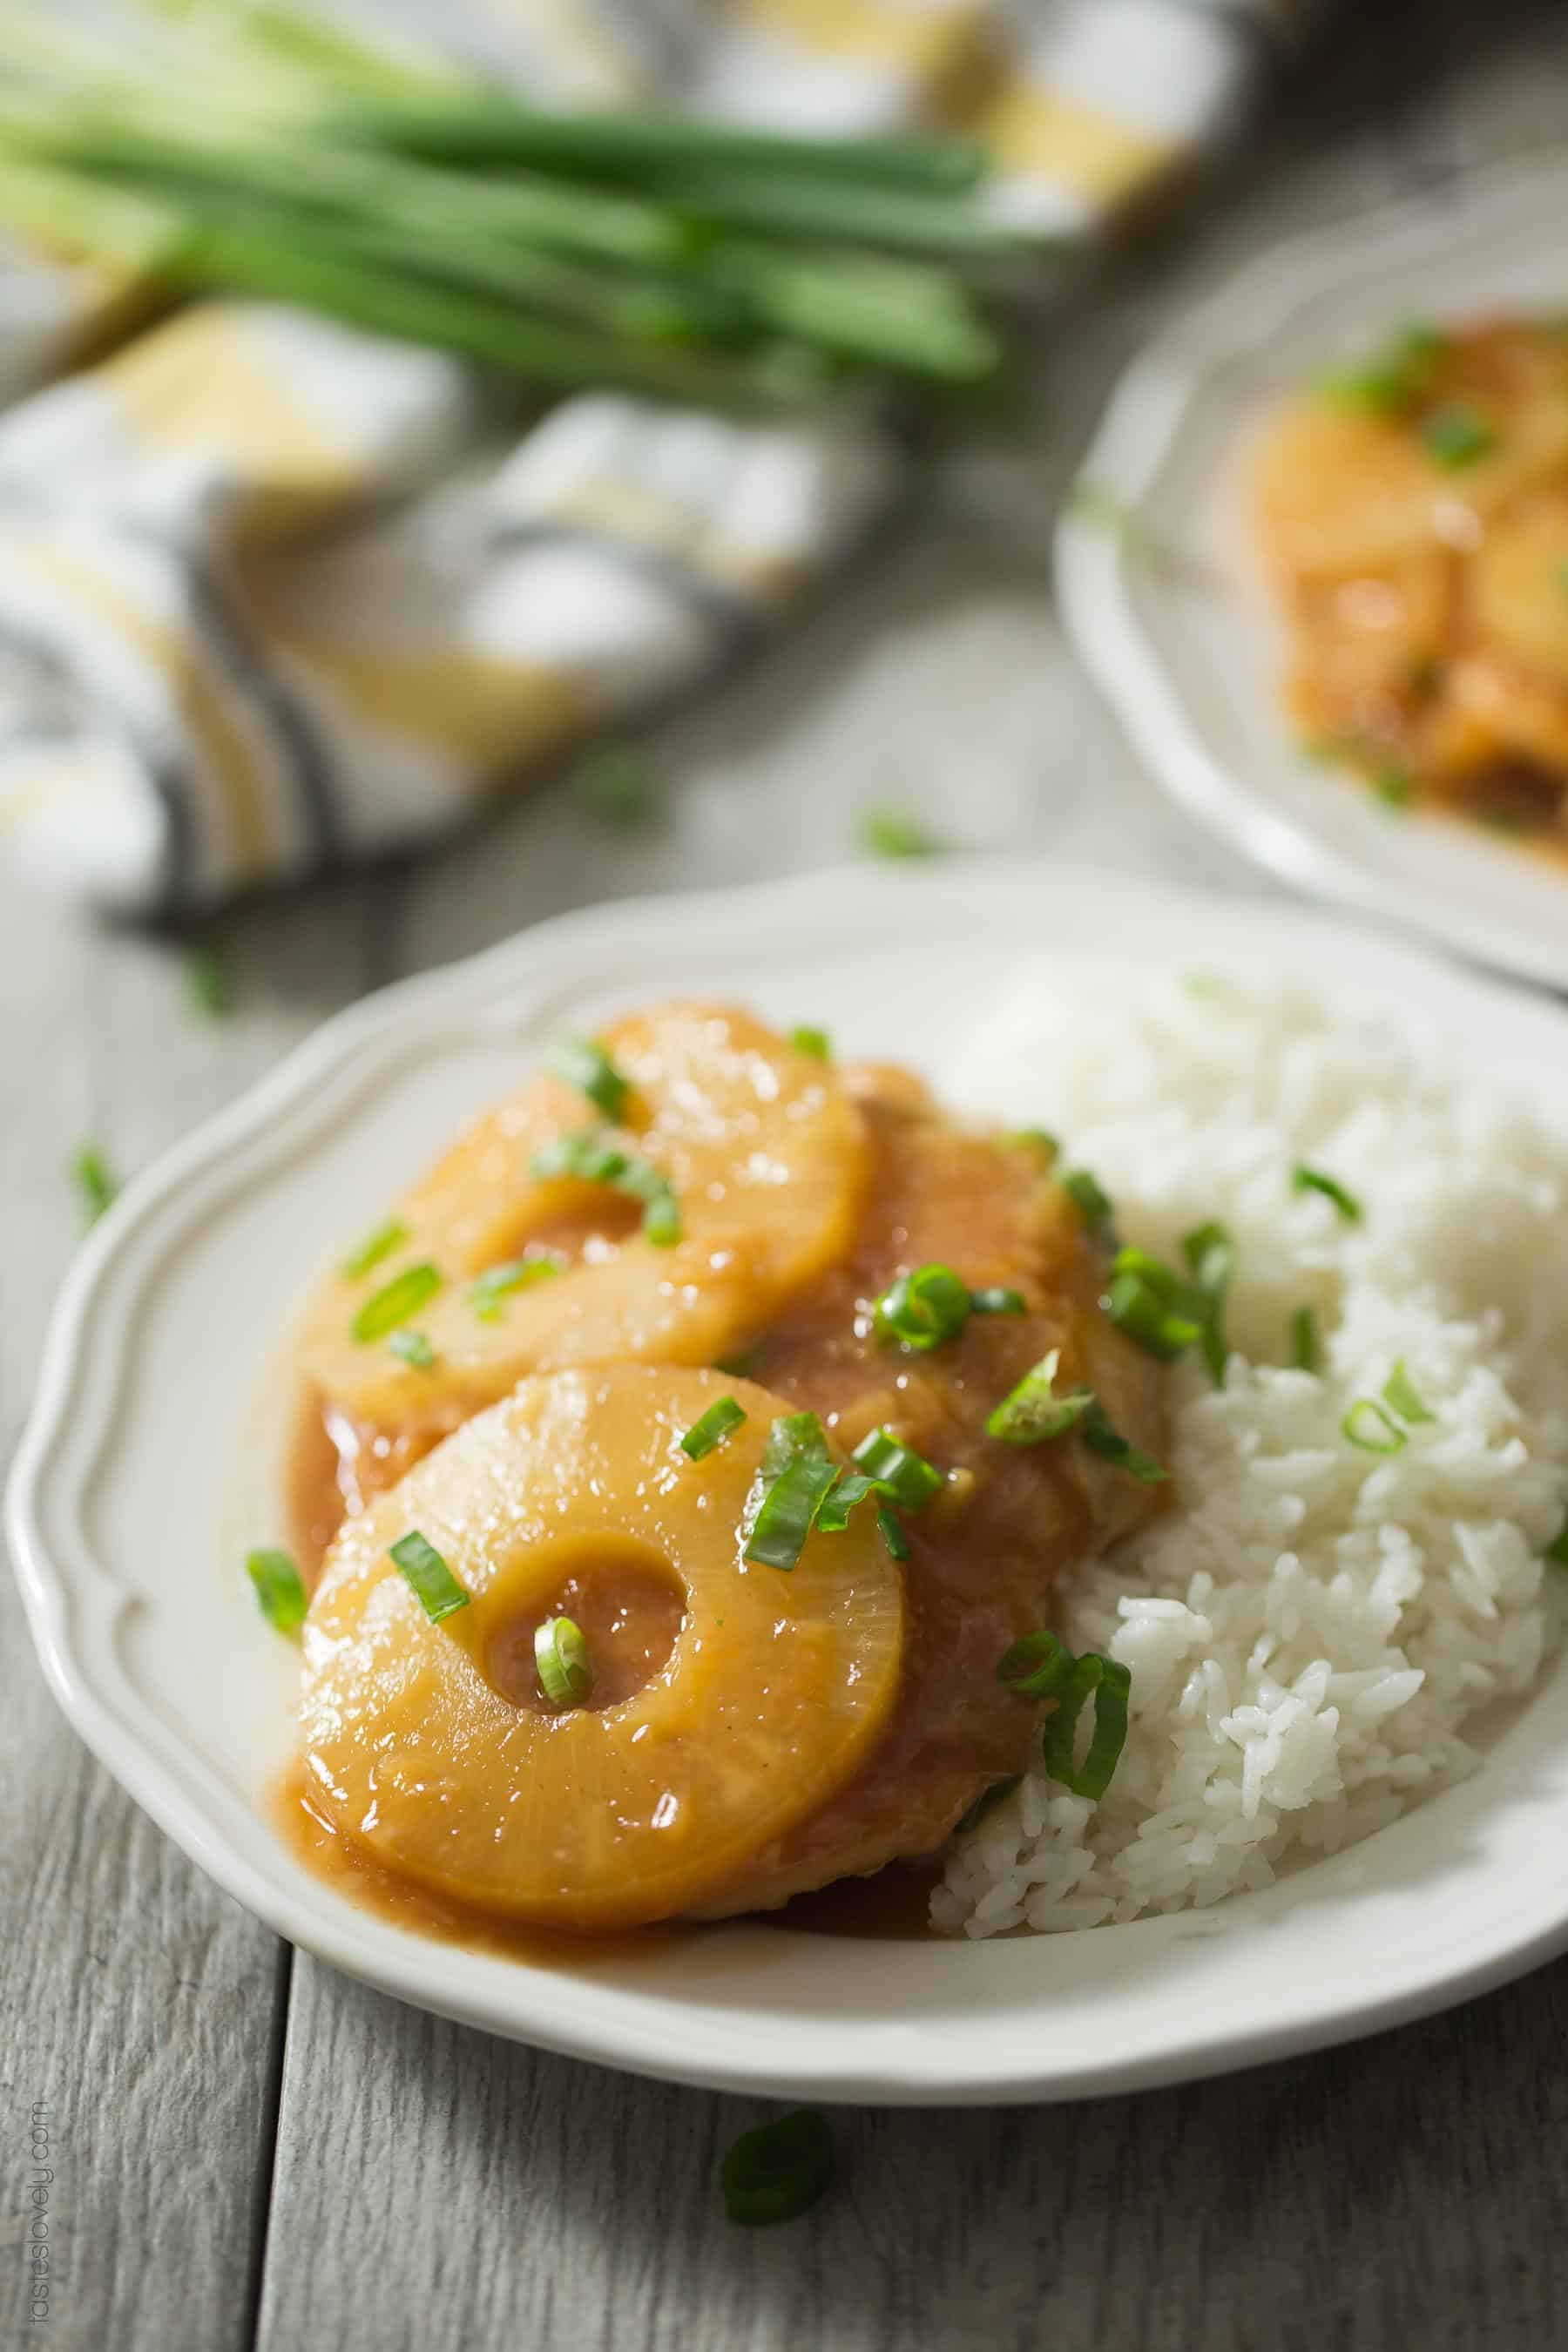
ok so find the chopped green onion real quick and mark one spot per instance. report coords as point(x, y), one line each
point(564, 1665)
point(280, 1588)
point(208, 984)
point(592, 1160)
point(884, 833)
point(1394, 788)
point(793, 1434)
point(1037, 1667)
point(893, 1534)
point(1032, 1412)
point(899, 1473)
point(1110, 1684)
point(711, 1428)
point(1557, 1550)
point(617, 785)
point(380, 1244)
point(96, 1185)
point(1092, 1203)
point(842, 1498)
point(741, 1364)
point(1399, 1392)
point(816, 1042)
point(1312, 1180)
point(1210, 1253)
point(778, 2171)
point(985, 1803)
point(1304, 1340)
point(1455, 434)
point(413, 1348)
point(788, 1508)
point(997, 1301)
point(497, 1283)
point(1148, 1302)
point(923, 1309)
point(434, 1587)
point(1102, 1437)
point(1038, 1139)
point(1390, 384)
point(395, 1302)
point(582, 1063)
point(1358, 1423)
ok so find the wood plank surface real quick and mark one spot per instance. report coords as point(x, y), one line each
point(410, 2183)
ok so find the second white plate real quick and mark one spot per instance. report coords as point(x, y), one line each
point(1179, 638)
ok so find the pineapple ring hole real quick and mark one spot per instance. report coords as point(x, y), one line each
point(630, 1606)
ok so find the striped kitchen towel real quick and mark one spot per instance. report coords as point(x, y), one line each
point(269, 597)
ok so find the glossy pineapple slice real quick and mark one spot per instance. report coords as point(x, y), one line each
point(766, 1158)
point(430, 1748)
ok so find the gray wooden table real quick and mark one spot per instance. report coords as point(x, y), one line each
point(249, 2149)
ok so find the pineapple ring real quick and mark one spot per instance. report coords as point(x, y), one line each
point(773, 1691)
point(768, 1161)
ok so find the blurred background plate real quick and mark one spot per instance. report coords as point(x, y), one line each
point(1163, 604)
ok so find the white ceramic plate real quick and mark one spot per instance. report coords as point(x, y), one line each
point(123, 1523)
point(1186, 649)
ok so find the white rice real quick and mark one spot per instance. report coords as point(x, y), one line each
point(1309, 1631)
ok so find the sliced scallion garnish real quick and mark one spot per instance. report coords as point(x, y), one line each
point(892, 1532)
point(844, 1497)
point(1035, 1667)
point(886, 833)
point(395, 1302)
point(711, 1428)
point(280, 1588)
point(787, 1509)
point(1399, 1391)
point(208, 984)
point(1455, 434)
point(1210, 1253)
point(1374, 1430)
point(591, 1158)
point(564, 1663)
point(374, 1248)
point(1102, 1437)
point(1039, 1141)
point(1149, 1302)
point(904, 1476)
point(816, 1043)
point(96, 1183)
point(1304, 1348)
point(1110, 1684)
point(1313, 1179)
point(489, 1293)
point(923, 1309)
point(616, 784)
point(778, 2171)
point(434, 1587)
point(1093, 1204)
point(582, 1063)
point(413, 1348)
point(997, 1300)
point(985, 1803)
point(1032, 1412)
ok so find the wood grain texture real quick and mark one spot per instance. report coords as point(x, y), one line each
point(433, 2188)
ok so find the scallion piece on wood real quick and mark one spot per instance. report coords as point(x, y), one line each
point(434, 1587)
point(582, 1063)
point(1110, 1684)
point(395, 1302)
point(1313, 1179)
point(96, 1183)
point(411, 1346)
point(374, 1248)
point(490, 1293)
point(886, 833)
point(280, 1588)
point(1037, 1667)
point(1374, 1430)
point(1092, 1203)
point(900, 1473)
point(564, 1663)
point(1399, 1391)
point(1304, 1346)
point(816, 1043)
point(711, 1428)
point(923, 1309)
point(778, 2171)
point(1032, 1412)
